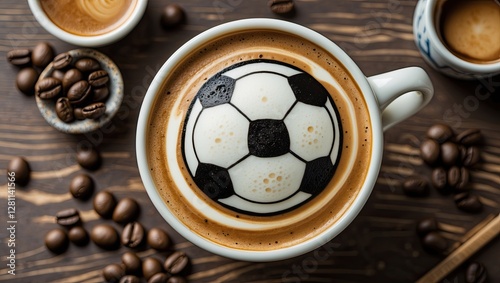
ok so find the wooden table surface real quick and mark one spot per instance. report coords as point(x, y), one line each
point(379, 246)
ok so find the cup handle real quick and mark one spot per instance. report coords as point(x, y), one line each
point(401, 93)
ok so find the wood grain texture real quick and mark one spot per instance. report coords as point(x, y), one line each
point(379, 246)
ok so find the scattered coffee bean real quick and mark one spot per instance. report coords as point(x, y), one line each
point(104, 204)
point(176, 262)
point(132, 234)
point(62, 61)
point(26, 80)
point(426, 225)
point(449, 153)
point(42, 54)
point(89, 158)
point(281, 7)
point(70, 78)
point(433, 242)
point(150, 267)
point(64, 110)
point(81, 186)
point(158, 239)
point(104, 236)
point(430, 151)
point(87, 65)
point(469, 137)
point(78, 235)
point(439, 179)
point(56, 240)
point(113, 272)
point(68, 217)
point(126, 211)
point(48, 88)
point(176, 279)
point(172, 15)
point(416, 186)
point(94, 110)
point(18, 171)
point(19, 57)
point(468, 202)
point(79, 92)
point(476, 273)
point(130, 279)
point(132, 263)
point(471, 156)
point(98, 78)
point(159, 278)
point(100, 94)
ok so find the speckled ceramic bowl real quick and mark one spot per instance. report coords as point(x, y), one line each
point(47, 107)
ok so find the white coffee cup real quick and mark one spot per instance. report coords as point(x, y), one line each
point(434, 51)
point(88, 41)
point(391, 97)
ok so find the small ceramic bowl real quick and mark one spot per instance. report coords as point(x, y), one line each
point(113, 102)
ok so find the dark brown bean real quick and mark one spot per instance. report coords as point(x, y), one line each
point(62, 61)
point(449, 153)
point(439, 179)
point(453, 176)
point(176, 262)
point(78, 235)
point(132, 263)
point(64, 110)
point(100, 94)
point(159, 278)
point(19, 57)
point(81, 186)
point(132, 234)
point(427, 225)
point(469, 137)
point(282, 7)
point(42, 54)
point(416, 186)
point(468, 202)
point(70, 78)
point(130, 279)
point(56, 240)
point(127, 210)
point(158, 239)
point(471, 156)
point(172, 15)
point(78, 113)
point(98, 78)
point(58, 74)
point(463, 180)
point(476, 273)
point(440, 132)
point(113, 272)
point(48, 88)
point(104, 204)
point(94, 110)
point(79, 92)
point(430, 151)
point(87, 65)
point(68, 217)
point(433, 242)
point(89, 158)
point(104, 236)
point(177, 279)
point(150, 267)
point(26, 80)
point(18, 171)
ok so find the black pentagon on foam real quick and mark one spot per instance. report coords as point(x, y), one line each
point(308, 90)
point(318, 174)
point(268, 138)
point(214, 181)
point(216, 91)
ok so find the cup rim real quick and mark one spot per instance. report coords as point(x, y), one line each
point(275, 254)
point(88, 41)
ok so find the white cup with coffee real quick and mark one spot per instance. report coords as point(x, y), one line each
point(459, 38)
point(88, 23)
point(261, 139)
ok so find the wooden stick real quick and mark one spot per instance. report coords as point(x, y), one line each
point(463, 252)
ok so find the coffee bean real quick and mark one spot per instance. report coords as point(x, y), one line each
point(453, 176)
point(426, 225)
point(176, 262)
point(449, 153)
point(439, 179)
point(48, 88)
point(416, 186)
point(70, 78)
point(81, 186)
point(469, 137)
point(62, 61)
point(463, 180)
point(89, 158)
point(430, 151)
point(158, 239)
point(468, 202)
point(176, 279)
point(18, 171)
point(42, 54)
point(433, 242)
point(132, 234)
point(113, 272)
point(87, 65)
point(79, 92)
point(78, 113)
point(126, 211)
point(78, 235)
point(56, 240)
point(94, 110)
point(26, 80)
point(130, 279)
point(100, 94)
point(471, 156)
point(150, 267)
point(64, 110)
point(132, 263)
point(19, 57)
point(68, 217)
point(104, 236)
point(171, 16)
point(476, 273)
point(281, 7)
point(159, 278)
point(440, 132)
point(98, 78)
point(104, 204)
point(58, 74)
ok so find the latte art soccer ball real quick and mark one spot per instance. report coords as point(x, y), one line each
point(262, 137)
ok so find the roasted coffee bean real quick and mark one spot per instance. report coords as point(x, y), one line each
point(98, 78)
point(100, 94)
point(58, 74)
point(79, 92)
point(64, 110)
point(132, 234)
point(453, 176)
point(78, 235)
point(176, 262)
point(281, 6)
point(113, 272)
point(440, 132)
point(48, 88)
point(70, 78)
point(150, 267)
point(177, 279)
point(126, 211)
point(94, 110)
point(104, 236)
point(433, 242)
point(430, 151)
point(171, 16)
point(449, 153)
point(132, 263)
point(81, 186)
point(468, 202)
point(78, 113)
point(18, 171)
point(130, 279)
point(68, 217)
point(62, 61)
point(416, 186)
point(56, 240)
point(469, 137)
point(87, 65)
point(104, 204)
point(158, 239)
point(42, 54)
point(426, 225)
point(463, 180)
point(476, 273)
point(439, 179)
point(159, 278)
point(89, 158)
point(471, 156)
point(19, 57)
point(26, 80)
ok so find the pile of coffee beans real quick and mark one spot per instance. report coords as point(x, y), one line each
point(428, 231)
point(57, 240)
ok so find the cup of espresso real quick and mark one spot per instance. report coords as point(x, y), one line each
point(460, 38)
point(88, 23)
point(261, 140)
